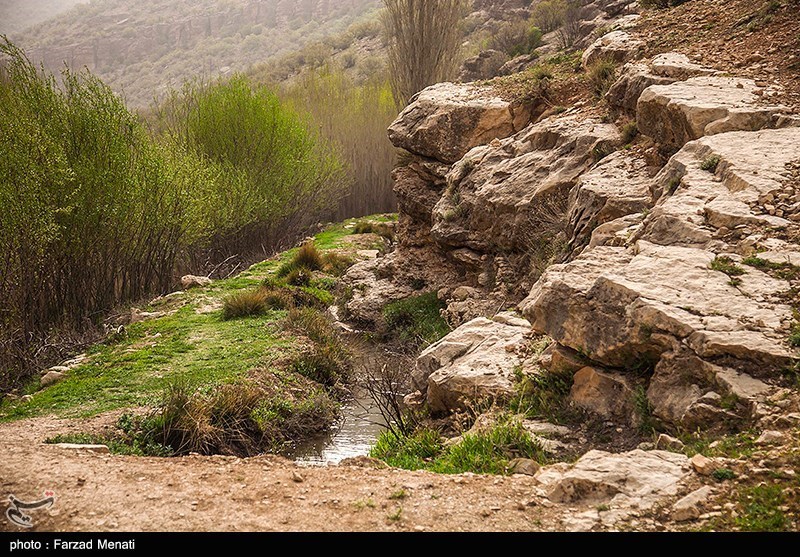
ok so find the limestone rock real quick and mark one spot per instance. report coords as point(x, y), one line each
point(668, 443)
point(691, 506)
point(52, 378)
point(501, 194)
point(703, 465)
point(446, 120)
point(560, 359)
point(618, 186)
point(609, 395)
point(617, 46)
point(484, 65)
point(686, 110)
point(372, 290)
point(634, 78)
point(771, 438)
point(635, 479)
point(191, 281)
point(523, 466)
point(474, 362)
point(677, 66)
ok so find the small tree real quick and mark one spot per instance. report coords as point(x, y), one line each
point(424, 42)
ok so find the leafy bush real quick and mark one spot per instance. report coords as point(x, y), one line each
point(96, 212)
point(417, 319)
point(238, 418)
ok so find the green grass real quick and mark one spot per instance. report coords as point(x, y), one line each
point(729, 446)
point(724, 264)
point(784, 271)
point(486, 452)
point(417, 319)
point(193, 344)
point(544, 396)
point(761, 509)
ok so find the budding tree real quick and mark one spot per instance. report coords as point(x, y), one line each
point(424, 43)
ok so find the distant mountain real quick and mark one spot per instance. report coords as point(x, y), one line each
point(143, 48)
point(17, 15)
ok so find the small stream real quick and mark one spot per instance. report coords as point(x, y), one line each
point(359, 427)
point(360, 422)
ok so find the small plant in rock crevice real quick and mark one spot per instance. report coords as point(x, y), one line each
point(711, 163)
point(724, 264)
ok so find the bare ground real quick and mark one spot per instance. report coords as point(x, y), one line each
point(100, 492)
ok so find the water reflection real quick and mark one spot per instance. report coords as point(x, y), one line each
point(356, 433)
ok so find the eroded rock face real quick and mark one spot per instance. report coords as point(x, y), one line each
point(618, 186)
point(606, 394)
point(473, 363)
point(659, 300)
point(484, 65)
point(502, 194)
point(446, 120)
point(617, 46)
point(686, 110)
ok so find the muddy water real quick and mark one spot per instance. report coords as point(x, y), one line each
point(360, 423)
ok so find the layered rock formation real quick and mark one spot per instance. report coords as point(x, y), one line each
point(678, 282)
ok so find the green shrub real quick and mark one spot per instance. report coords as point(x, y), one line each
point(710, 163)
point(306, 259)
point(629, 132)
point(299, 276)
point(544, 395)
point(417, 319)
point(380, 228)
point(96, 212)
point(328, 360)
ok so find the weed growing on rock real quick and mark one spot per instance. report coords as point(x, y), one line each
point(724, 264)
point(710, 163)
point(629, 132)
point(602, 75)
point(544, 395)
point(783, 271)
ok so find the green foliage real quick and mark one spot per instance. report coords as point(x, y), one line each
point(299, 276)
point(239, 418)
point(117, 445)
point(783, 270)
point(515, 38)
point(353, 114)
point(337, 264)
point(483, 452)
point(306, 259)
point(97, 213)
point(328, 360)
point(794, 335)
point(382, 229)
point(761, 509)
point(417, 319)
point(725, 264)
point(710, 163)
point(629, 132)
point(723, 474)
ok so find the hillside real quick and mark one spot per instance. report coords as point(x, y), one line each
point(18, 15)
point(584, 315)
point(144, 48)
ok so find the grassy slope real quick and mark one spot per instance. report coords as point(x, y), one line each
point(190, 342)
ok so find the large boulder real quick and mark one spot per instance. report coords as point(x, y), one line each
point(686, 110)
point(634, 78)
point(502, 195)
point(609, 395)
point(473, 363)
point(617, 46)
point(446, 120)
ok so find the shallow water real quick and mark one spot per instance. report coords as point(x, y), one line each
point(355, 434)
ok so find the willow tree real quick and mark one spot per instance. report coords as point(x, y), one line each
point(424, 43)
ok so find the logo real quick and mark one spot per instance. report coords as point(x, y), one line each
point(16, 512)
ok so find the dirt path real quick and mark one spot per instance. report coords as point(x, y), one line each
point(118, 493)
